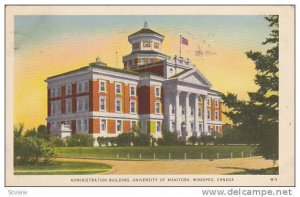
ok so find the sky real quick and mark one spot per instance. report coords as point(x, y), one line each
point(49, 45)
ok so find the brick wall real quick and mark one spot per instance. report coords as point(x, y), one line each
point(126, 126)
point(94, 126)
point(111, 126)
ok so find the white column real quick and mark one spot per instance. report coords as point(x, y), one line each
point(177, 113)
point(187, 114)
point(196, 108)
point(205, 129)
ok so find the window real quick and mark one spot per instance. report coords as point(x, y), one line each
point(172, 126)
point(216, 115)
point(55, 107)
point(102, 103)
point(146, 44)
point(55, 92)
point(182, 111)
point(171, 70)
point(208, 115)
point(217, 128)
point(157, 108)
point(133, 124)
point(156, 45)
point(192, 112)
point(118, 88)
point(82, 125)
point(132, 107)
point(208, 102)
point(158, 126)
point(118, 106)
point(119, 126)
point(144, 126)
point(136, 45)
point(200, 128)
point(157, 91)
point(132, 91)
point(82, 104)
point(216, 103)
point(102, 86)
point(82, 86)
point(192, 126)
point(58, 89)
point(173, 109)
point(143, 61)
point(200, 112)
point(103, 125)
point(68, 105)
point(68, 89)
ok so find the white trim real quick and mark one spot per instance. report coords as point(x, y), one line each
point(66, 90)
point(84, 86)
point(118, 99)
point(105, 108)
point(159, 108)
point(101, 125)
point(132, 86)
point(118, 84)
point(121, 129)
point(135, 111)
point(160, 126)
point(71, 105)
point(159, 91)
point(136, 123)
point(102, 81)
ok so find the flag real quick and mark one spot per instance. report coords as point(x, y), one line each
point(184, 41)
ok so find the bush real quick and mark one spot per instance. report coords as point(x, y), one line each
point(170, 139)
point(192, 140)
point(80, 139)
point(31, 149)
point(57, 141)
point(102, 141)
point(111, 140)
point(125, 139)
point(205, 139)
point(141, 139)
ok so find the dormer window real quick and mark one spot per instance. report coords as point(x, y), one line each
point(146, 44)
point(136, 45)
point(156, 45)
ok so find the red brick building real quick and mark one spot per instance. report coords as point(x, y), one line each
point(153, 91)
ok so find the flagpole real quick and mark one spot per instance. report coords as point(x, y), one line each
point(180, 46)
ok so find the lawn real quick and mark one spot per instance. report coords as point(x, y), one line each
point(158, 152)
point(61, 168)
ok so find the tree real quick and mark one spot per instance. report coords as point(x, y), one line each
point(257, 117)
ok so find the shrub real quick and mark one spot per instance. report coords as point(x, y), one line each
point(111, 140)
point(102, 141)
point(80, 139)
point(125, 139)
point(170, 139)
point(141, 139)
point(57, 141)
point(31, 149)
point(192, 140)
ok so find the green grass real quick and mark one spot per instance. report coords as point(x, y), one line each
point(61, 167)
point(266, 171)
point(161, 152)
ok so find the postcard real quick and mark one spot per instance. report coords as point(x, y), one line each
point(150, 95)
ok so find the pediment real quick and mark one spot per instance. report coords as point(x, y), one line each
point(194, 77)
